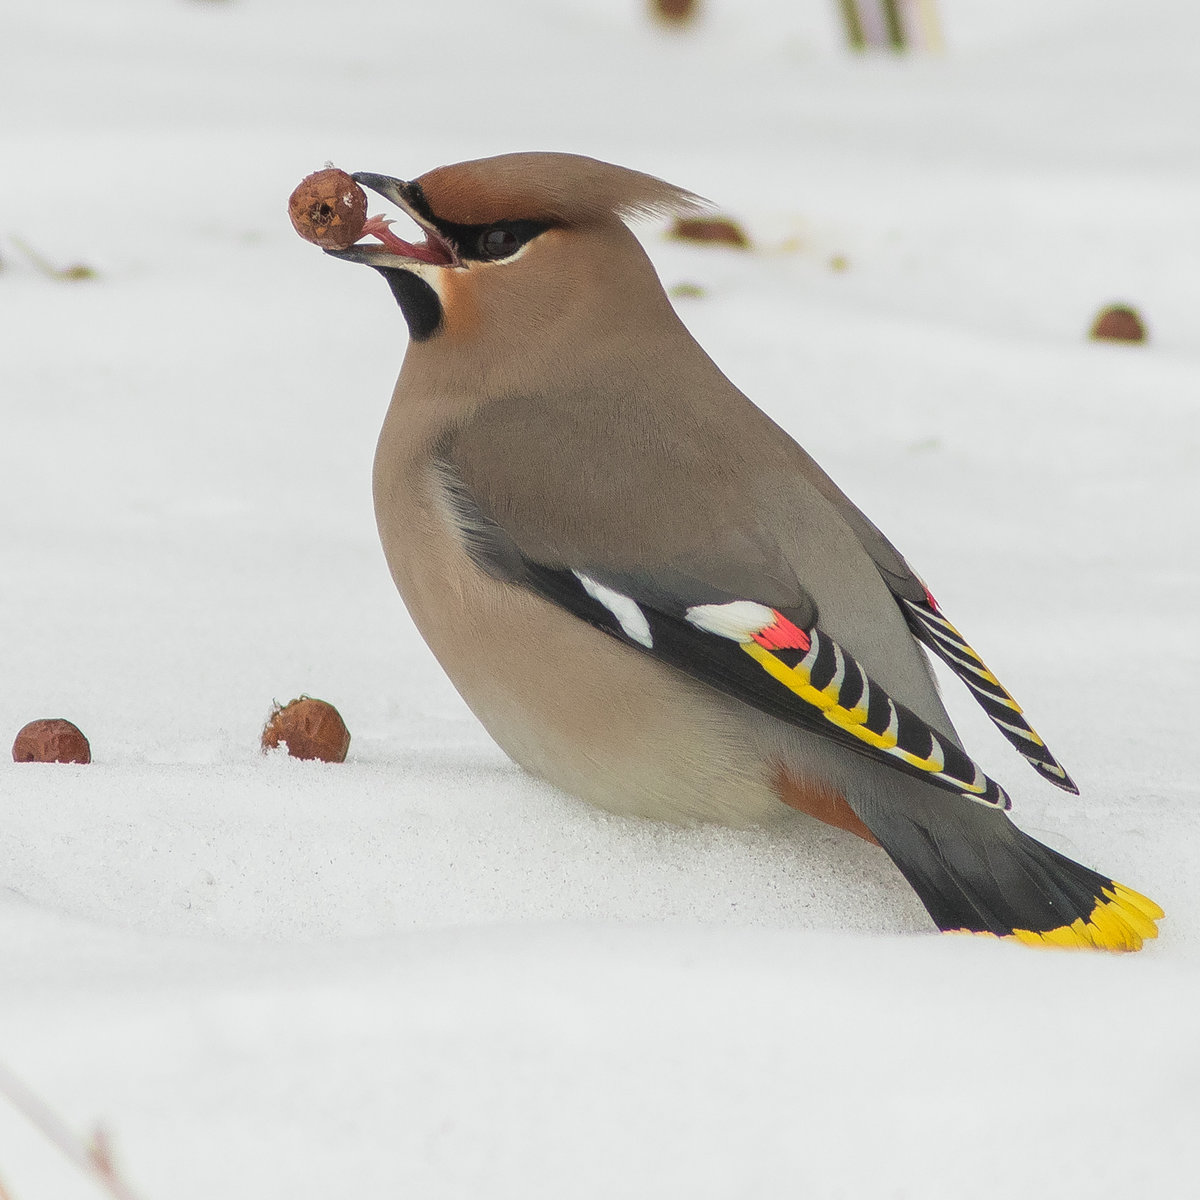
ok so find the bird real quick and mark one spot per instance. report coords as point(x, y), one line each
point(645, 589)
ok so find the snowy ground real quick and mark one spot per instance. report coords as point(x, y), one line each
point(422, 973)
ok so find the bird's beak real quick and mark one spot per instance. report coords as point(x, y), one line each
point(370, 254)
point(395, 190)
point(391, 251)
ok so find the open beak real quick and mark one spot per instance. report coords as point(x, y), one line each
point(391, 251)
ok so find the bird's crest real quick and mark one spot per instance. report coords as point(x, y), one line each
point(562, 189)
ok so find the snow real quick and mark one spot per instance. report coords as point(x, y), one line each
point(422, 972)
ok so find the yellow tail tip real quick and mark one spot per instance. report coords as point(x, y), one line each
point(1122, 920)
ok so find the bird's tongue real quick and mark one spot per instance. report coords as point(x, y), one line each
point(380, 227)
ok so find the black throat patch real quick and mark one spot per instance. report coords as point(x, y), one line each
point(418, 302)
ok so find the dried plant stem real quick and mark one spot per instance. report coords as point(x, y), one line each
point(94, 1158)
point(76, 271)
point(931, 26)
point(854, 30)
point(894, 22)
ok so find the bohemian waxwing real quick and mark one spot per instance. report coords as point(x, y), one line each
point(646, 591)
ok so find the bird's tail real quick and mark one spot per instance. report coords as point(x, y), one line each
point(976, 872)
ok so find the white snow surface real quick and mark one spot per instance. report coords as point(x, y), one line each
point(422, 973)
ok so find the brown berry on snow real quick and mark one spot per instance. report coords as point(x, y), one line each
point(328, 208)
point(51, 740)
point(710, 229)
point(1118, 323)
point(674, 12)
point(309, 729)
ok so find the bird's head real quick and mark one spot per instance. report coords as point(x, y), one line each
point(515, 249)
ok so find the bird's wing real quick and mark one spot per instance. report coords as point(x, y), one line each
point(778, 661)
point(931, 628)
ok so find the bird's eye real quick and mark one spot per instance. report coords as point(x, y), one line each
point(498, 243)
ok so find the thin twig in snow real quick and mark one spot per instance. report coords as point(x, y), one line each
point(94, 1158)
